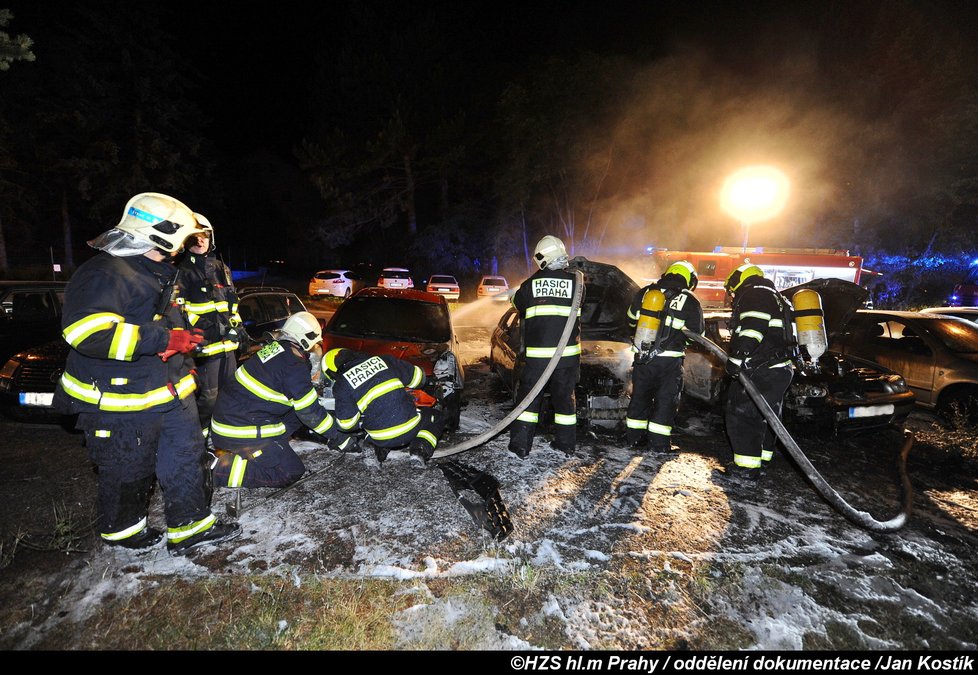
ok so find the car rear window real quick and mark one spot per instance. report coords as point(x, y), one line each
point(439, 279)
point(393, 319)
point(493, 281)
point(395, 274)
point(328, 275)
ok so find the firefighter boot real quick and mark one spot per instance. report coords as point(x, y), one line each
point(219, 531)
point(145, 538)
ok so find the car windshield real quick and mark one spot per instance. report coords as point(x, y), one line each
point(392, 318)
point(956, 335)
point(437, 279)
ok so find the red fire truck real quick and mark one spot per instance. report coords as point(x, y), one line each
point(786, 267)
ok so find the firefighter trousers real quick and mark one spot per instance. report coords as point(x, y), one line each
point(428, 430)
point(751, 438)
point(269, 462)
point(211, 372)
point(657, 385)
point(128, 448)
point(562, 400)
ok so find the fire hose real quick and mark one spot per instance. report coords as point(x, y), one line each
point(860, 518)
point(537, 388)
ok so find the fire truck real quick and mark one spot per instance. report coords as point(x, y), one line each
point(786, 267)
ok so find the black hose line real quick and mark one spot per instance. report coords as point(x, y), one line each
point(537, 388)
point(860, 518)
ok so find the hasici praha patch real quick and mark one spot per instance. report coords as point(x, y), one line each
point(357, 375)
point(268, 351)
point(553, 288)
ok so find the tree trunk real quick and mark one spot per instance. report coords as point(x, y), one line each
point(409, 206)
point(66, 231)
point(3, 249)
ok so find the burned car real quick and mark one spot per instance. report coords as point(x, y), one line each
point(604, 389)
point(834, 392)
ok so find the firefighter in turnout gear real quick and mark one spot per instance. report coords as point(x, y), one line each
point(761, 348)
point(660, 346)
point(212, 306)
point(544, 302)
point(270, 397)
point(371, 393)
point(128, 378)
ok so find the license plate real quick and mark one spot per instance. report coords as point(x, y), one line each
point(444, 290)
point(871, 411)
point(32, 398)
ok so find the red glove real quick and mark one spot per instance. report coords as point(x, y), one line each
point(182, 342)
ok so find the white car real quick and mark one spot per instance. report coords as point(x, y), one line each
point(493, 286)
point(444, 284)
point(395, 277)
point(966, 313)
point(336, 283)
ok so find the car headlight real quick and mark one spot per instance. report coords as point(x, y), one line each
point(895, 384)
point(7, 374)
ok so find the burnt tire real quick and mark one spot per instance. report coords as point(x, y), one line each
point(959, 408)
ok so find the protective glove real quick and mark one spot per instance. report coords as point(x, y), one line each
point(732, 368)
point(182, 342)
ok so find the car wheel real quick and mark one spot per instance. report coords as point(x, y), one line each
point(959, 408)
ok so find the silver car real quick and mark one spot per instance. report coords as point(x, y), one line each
point(937, 355)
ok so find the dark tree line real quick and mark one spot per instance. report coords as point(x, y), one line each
point(441, 136)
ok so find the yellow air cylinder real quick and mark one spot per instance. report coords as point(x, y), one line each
point(649, 320)
point(810, 322)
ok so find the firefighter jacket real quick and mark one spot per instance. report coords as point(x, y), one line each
point(683, 310)
point(271, 395)
point(370, 392)
point(117, 315)
point(544, 302)
point(761, 333)
point(210, 301)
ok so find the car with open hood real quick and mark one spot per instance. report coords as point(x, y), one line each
point(837, 392)
point(410, 324)
point(604, 389)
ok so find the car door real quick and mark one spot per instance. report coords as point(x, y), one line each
point(893, 343)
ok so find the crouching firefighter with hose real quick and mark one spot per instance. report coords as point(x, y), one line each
point(371, 393)
point(762, 347)
point(659, 313)
point(270, 397)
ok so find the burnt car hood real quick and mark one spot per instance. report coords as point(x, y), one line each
point(608, 292)
point(840, 300)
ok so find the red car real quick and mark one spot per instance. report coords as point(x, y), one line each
point(410, 324)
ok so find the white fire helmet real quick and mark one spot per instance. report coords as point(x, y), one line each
point(550, 253)
point(160, 220)
point(304, 329)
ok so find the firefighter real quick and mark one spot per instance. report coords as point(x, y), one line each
point(760, 349)
point(659, 313)
point(270, 397)
point(212, 306)
point(371, 393)
point(128, 378)
point(544, 302)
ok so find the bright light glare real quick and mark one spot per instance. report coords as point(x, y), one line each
point(755, 193)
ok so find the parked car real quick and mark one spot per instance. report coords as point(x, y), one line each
point(395, 277)
point(28, 378)
point(410, 324)
point(966, 313)
point(31, 314)
point(936, 354)
point(493, 286)
point(334, 283)
point(443, 284)
point(838, 393)
point(604, 389)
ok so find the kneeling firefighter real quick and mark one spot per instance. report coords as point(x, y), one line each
point(762, 347)
point(371, 393)
point(270, 397)
point(659, 313)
